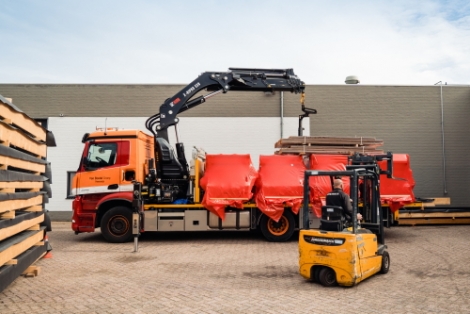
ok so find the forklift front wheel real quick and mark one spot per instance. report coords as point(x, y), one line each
point(327, 277)
point(385, 263)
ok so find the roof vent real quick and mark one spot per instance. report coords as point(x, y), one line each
point(352, 79)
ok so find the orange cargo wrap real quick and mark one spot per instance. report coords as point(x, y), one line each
point(395, 192)
point(280, 183)
point(398, 191)
point(321, 185)
point(228, 181)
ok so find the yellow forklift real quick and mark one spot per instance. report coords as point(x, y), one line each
point(347, 253)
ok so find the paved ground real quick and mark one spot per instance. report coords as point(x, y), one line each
point(238, 273)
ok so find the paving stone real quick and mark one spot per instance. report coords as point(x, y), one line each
point(229, 272)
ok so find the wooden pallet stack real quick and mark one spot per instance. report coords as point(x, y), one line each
point(329, 145)
point(24, 189)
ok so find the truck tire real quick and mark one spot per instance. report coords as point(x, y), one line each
point(116, 225)
point(278, 231)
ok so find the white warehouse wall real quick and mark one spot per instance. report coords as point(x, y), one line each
point(254, 136)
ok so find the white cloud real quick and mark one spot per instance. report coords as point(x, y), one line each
point(393, 42)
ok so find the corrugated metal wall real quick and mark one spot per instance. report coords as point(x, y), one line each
point(407, 118)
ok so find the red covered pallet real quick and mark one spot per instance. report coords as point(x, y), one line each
point(395, 192)
point(279, 184)
point(321, 185)
point(228, 181)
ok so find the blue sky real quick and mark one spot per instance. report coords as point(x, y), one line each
point(165, 42)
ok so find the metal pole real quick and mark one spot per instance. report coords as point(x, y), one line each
point(136, 244)
point(305, 208)
point(443, 143)
point(282, 114)
point(353, 192)
point(176, 134)
point(444, 170)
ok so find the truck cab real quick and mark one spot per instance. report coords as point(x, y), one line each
point(112, 159)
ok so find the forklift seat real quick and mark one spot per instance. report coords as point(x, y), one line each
point(332, 218)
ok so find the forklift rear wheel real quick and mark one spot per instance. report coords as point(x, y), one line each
point(278, 231)
point(327, 277)
point(116, 225)
point(316, 274)
point(385, 263)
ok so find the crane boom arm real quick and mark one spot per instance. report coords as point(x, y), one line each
point(236, 79)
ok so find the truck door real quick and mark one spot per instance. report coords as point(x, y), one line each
point(99, 171)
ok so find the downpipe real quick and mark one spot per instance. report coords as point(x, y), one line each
point(282, 114)
point(444, 162)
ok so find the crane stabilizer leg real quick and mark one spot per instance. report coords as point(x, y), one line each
point(137, 208)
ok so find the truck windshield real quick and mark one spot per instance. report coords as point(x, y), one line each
point(101, 155)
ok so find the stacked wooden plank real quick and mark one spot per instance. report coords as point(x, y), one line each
point(329, 145)
point(433, 211)
point(24, 189)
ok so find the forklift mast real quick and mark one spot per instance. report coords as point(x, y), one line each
point(364, 173)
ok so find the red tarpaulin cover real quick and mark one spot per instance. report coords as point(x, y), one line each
point(228, 181)
point(280, 183)
point(395, 193)
point(321, 185)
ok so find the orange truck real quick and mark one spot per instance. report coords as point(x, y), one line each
point(122, 172)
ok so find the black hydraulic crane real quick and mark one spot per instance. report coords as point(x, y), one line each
point(237, 79)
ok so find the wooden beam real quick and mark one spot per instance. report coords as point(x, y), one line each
point(12, 262)
point(6, 161)
point(434, 215)
point(16, 138)
point(7, 215)
point(18, 248)
point(312, 150)
point(36, 208)
point(437, 221)
point(23, 121)
point(32, 271)
point(441, 201)
point(9, 190)
point(15, 229)
point(10, 205)
point(29, 185)
point(35, 227)
point(315, 140)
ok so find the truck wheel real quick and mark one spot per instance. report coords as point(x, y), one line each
point(327, 277)
point(385, 263)
point(278, 231)
point(116, 225)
